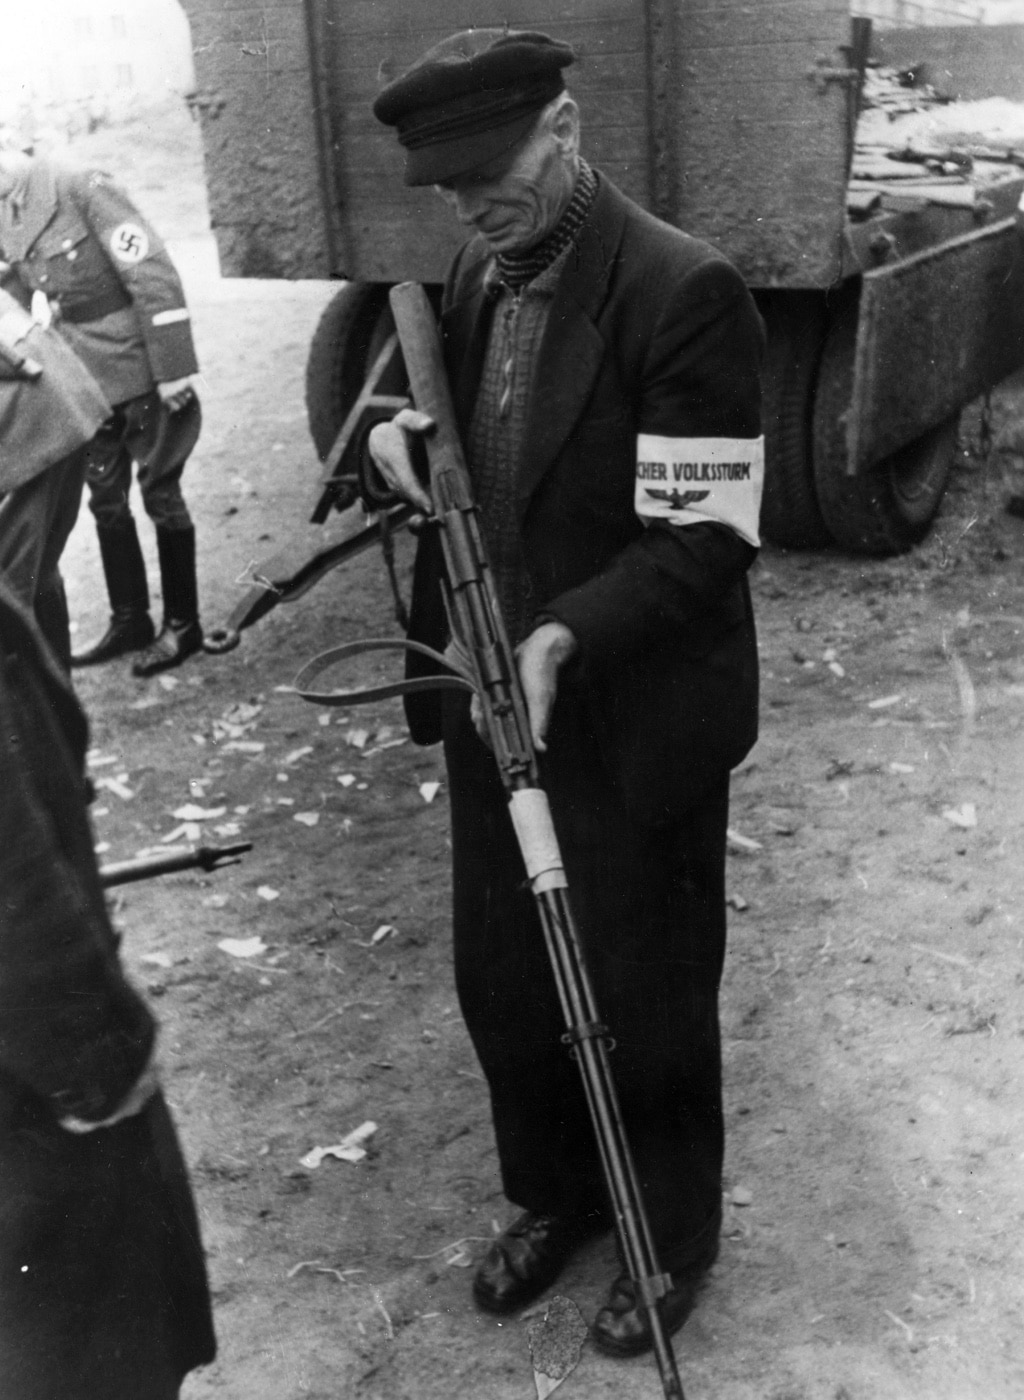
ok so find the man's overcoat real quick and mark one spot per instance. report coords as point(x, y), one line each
point(103, 1292)
point(650, 332)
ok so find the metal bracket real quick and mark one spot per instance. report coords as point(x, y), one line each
point(825, 72)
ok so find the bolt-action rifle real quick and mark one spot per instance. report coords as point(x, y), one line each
point(490, 670)
point(123, 872)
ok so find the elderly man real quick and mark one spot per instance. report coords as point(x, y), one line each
point(605, 369)
point(87, 257)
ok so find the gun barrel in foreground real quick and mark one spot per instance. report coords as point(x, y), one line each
point(480, 631)
point(124, 872)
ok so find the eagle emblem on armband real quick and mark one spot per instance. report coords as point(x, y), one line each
point(678, 500)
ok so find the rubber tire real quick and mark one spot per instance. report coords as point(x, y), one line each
point(889, 507)
point(790, 514)
point(349, 335)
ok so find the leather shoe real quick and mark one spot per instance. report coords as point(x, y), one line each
point(623, 1327)
point(128, 631)
point(524, 1260)
point(177, 641)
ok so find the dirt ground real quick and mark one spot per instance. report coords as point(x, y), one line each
point(874, 1038)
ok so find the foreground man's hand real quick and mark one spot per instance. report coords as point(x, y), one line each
point(540, 657)
point(388, 445)
point(176, 393)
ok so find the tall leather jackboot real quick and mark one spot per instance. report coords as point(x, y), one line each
point(131, 627)
point(181, 635)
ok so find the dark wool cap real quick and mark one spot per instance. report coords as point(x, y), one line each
point(471, 98)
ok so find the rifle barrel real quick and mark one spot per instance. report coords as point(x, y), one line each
point(124, 872)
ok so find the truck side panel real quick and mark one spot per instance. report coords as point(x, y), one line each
point(763, 131)
point(256, 103)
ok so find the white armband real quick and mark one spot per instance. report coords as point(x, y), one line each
point(689, 480)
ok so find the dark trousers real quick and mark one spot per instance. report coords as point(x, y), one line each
point(650, 906)
point(144, 431)
point(35, 522)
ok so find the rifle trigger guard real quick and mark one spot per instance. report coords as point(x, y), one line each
point(452, 677)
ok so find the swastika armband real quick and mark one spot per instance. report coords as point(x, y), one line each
point(688, 480)
point(129, 242)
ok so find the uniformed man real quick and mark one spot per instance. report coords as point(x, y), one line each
point(50, 409)
point(87, 257)
point(606, 375)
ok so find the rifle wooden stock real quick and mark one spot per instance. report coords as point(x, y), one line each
point(479, 629)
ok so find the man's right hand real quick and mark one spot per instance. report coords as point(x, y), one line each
point(388, 445)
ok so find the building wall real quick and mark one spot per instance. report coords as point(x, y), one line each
point(58, 54)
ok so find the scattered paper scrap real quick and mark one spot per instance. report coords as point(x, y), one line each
point(101, 847)
point(285, 801)
point(556, 1341)
point(357, 738)
point(737, 902)
point(228, 829)
point(296, 754)
point(323, 720)
point(268, 893)
point(168, 682)
point(244, 746)
point(966, 815)
point(346, 779)
point(118, 786)
point(215, 901)
point(157, 959)
point(95, 759)
point(428, 791)
point(100, 811)
point(884, 702)
point(307, 818)
point(383, 932)
point(187, 831)
point(349, 1149)
point(192, 812)
point(148, 702)
point(243, 947)
point(742, 1196)
point(361, 787)
point(241, 811)
point(895, 767)
point(737, 842)
point(836, 669)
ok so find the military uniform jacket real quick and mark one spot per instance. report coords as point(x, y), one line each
point(651, 357)
point(80, 240)
point(103, 1291)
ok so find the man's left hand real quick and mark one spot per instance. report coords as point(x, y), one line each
point(176, 393)
point(540, 658)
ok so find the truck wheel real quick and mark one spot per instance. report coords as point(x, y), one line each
point(790, 515)
point(890, 506)
point(351, 331)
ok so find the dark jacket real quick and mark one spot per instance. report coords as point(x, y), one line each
point(81, 241)
point(103, 1291)
point(650, 332)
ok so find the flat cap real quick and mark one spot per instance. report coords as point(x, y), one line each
point(470, 98)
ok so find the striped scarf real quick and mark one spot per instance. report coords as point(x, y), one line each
point(517, 269)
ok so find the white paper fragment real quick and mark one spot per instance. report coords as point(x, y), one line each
point(307, 818)
point(829, 654)
point(383, 932)
point(99, 811)
point(244, 746)
point(742, 1196)
point(285, 801)
point(737, 842)
point(347, 779)
point(966, 815)
point(157, 959)
point(192, 812)
point(361, 787)
point(241, 811)
point(357, 738)
point(117, 786)
point(95, 759)
point(428, 791)
point(199, 739)
point(187, 831)
point(243, 947)
point(228, 829)
point(296, 754)
point(884, 702)
point(556, 1342)
point(737, 902)
point(349, 1149)
point(101, 847)
point(167, 682)
point(323, 720)
point(148, 702)
point(901, 767)
point(215, 901)
point(836, 669)
point(268, 893)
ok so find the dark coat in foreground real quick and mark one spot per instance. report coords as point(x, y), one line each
point(652, 346)
point(103, 1292)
